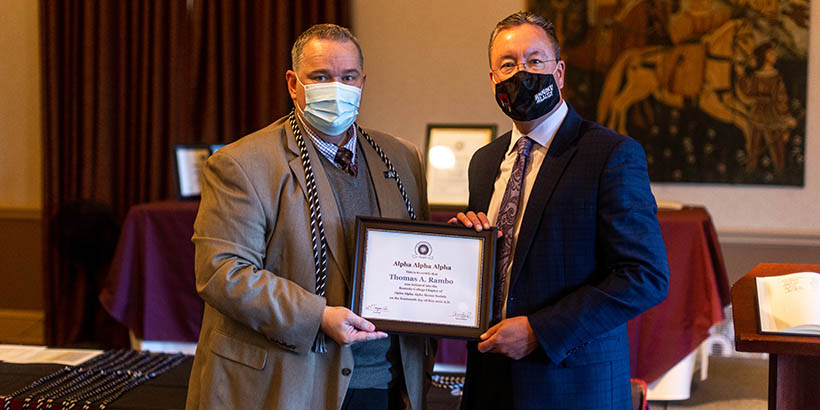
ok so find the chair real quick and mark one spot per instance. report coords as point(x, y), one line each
point(84, 233)
point(639, 394)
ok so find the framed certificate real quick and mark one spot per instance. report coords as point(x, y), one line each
point(189, 160)
point(424, 278)
point(449, 149)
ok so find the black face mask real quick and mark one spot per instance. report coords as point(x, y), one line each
point(526, 96)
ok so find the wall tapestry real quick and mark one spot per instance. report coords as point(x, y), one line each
point(715, 91)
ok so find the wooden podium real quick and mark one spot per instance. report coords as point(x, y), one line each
point(794, 361)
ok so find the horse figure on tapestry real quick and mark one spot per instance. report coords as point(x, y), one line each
point(699, 72)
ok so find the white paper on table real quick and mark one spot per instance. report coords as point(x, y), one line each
point(40, 354)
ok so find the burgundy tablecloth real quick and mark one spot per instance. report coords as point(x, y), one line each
point(151, 286)
point(698, 291)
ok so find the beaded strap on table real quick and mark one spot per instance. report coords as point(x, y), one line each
point(62, 376)
point(160, 368)
point(90, 377)
point(110, 378)
point(453, 383)
point(98, 381)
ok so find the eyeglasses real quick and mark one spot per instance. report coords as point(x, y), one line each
point(533, 64)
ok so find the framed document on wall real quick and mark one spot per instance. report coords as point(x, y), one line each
point(424, 278)
point(189, 160)
point(449, 149)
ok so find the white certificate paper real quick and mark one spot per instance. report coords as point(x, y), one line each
point(423, 278)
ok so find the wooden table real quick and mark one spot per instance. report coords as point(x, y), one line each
point(794, 361)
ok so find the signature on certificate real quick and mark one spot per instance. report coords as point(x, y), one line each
point(374, 308)
point(461, 315)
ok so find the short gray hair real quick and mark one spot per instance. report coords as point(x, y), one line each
point(525, 17)
point(323, 32)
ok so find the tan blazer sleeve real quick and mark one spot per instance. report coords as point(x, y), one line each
point(231, 236)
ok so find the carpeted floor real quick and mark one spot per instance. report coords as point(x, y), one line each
point(733, 383)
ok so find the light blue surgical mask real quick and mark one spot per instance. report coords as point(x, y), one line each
point(331, 107)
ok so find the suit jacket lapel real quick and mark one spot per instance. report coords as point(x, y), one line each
point(561, 151)
point(327, 202)
point(391, 203)
point(486, 173)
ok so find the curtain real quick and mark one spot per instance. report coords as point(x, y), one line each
point(123, 81)
point(241, 51)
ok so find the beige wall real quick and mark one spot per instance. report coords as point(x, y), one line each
point(20, 108)
point(21, 251)
point(426, 62)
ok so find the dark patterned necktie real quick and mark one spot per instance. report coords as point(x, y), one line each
point(344, 158)
point(506, 219)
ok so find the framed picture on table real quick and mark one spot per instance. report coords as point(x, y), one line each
point(449, 149)
point(189, 160)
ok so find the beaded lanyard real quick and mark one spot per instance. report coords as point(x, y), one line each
point(100, 380)
point(92, 377)
point(61, 377)
point(317, 229)
point(108, 378)
point(152, 370)
point(40, 382)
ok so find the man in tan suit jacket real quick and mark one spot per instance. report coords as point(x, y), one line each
point(270, 339)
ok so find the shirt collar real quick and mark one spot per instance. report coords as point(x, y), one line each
point(544, 132)
point(329, 149)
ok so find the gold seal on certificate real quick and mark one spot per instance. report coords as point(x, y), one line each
point(424, 277)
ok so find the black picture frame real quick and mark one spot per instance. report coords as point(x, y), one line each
point(447, 157)
point(419, 296)
point(189, 159)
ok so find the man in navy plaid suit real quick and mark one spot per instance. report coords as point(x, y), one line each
point(581, 251)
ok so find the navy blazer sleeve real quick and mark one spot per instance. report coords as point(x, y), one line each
point(633, 272)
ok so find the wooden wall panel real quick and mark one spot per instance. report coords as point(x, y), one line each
point(21, 266)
